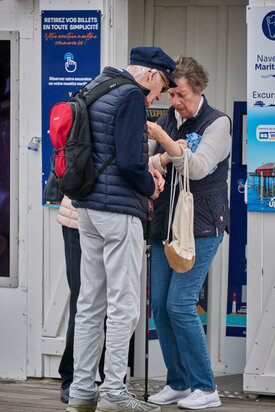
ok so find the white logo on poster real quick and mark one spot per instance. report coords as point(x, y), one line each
point(271, 25)
point(70, 64)
point(272, 202)
point(268, 25)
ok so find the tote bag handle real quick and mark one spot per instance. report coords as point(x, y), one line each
point(185, 186)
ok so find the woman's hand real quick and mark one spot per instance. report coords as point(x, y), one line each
point(183, 143)
point(154, 131)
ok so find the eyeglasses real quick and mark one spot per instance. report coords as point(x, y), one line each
point(166, 87)
point(163, 78)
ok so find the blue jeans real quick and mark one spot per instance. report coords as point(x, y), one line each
point(174, 304)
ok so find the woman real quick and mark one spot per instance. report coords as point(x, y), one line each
point(190, 380)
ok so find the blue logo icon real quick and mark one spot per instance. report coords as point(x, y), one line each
point(241, 186)
point(268, 25)
point(70, 64)
point(259, 103)
point(263, 135)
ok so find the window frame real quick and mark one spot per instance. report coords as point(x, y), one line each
point(13, 37)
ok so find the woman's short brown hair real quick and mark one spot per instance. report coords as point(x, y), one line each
point(194, 73)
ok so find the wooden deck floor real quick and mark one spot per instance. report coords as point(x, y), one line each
point(42, 395)
point(31, 396)
point(35, 395)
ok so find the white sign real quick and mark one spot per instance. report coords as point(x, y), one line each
point(261, 108)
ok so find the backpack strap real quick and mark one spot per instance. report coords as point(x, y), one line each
point(91, 95)
point(103, 88)
point(105, 164)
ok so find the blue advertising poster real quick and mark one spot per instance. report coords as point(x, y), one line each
point(237, 273)
point(261, 109)
point(70, 59)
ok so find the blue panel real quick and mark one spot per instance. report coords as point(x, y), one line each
point(235, 332)
point(70, 59)
point(238, 229)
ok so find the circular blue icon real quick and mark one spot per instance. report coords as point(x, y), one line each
point(268, 25)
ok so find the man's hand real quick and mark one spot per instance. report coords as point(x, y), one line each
point(160, 181)
point(156, 193)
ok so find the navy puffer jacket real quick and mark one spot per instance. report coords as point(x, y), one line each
point(113, 190)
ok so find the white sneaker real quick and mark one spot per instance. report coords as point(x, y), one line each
point(168, 395)
point(200, 400)
point(125, 402)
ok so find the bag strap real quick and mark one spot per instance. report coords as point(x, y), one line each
point(103, 88)
point(182, 186)
point(105, 164)
point(172, 198)
point(95, 93)
point(186, 186)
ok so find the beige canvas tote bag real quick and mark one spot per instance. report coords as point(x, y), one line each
point(180, 252)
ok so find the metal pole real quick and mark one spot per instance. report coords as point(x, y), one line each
point(148, 272)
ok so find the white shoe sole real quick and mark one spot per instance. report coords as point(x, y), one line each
point(107, 410)
point(117, 410)
point(78, 408)
point(171, 401)
point(165, 402)
point(209, 405)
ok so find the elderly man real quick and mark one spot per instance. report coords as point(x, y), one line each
point(111, 233)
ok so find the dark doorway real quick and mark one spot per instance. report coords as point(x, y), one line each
point(4, 157)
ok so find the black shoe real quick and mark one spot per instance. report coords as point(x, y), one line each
point(82, 405)
point(64, 394)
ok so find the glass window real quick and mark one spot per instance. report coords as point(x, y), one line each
point(4, 158)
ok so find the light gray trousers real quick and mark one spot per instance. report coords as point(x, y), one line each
point(111, 263)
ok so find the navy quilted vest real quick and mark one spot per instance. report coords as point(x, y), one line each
point(211, 212)
point(111, 192)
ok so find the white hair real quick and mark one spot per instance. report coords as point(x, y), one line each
point(138, 71)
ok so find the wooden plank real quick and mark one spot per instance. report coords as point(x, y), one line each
point(148, 23)
point(30, 397)
point(52, 346)
point(197, 3)
point(57, 307)
point(254, 277)
point(259, 355)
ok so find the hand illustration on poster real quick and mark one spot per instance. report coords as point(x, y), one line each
point(70, 64)
point(268, 25)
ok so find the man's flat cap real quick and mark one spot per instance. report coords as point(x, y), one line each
point(155, 58)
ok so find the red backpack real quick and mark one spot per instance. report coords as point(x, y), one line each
point(70, 135)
